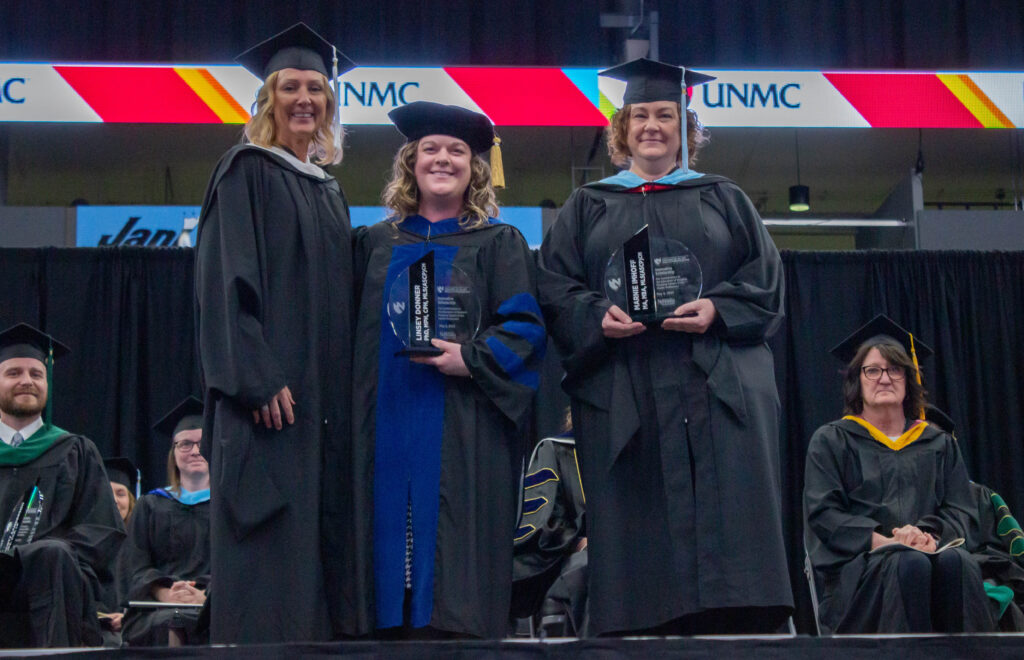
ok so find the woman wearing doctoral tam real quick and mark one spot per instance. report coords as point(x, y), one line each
point(883, 490)
point(439, 438)
point(677, 420)
point(273, 298)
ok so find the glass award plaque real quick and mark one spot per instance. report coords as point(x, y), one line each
point(24, 520)
point(650, 276)
point(427, 302)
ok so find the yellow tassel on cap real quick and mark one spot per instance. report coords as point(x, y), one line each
point(497, 168)
point(917, 370)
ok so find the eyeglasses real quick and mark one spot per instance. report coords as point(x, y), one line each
point(186, 446)
point(895, 372)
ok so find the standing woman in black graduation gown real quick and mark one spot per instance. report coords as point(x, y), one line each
point(439, 441)
point(676, 424)
point(273, 298)
point(166, 556)
point(880, 483)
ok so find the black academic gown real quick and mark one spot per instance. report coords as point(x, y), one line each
point(167, 542)
point(273, 298)
point(994, 541)
point(853, 486)
point(73, 552)
point(551, 526)
point(453, 447)
point(677, 433)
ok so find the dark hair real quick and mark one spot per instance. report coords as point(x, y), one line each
point(894, 354)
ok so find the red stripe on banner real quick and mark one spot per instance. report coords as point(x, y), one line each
point(527, 97)
point(138, 94)
point(903, 100)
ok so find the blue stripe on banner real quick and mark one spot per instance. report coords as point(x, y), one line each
point(521, 303)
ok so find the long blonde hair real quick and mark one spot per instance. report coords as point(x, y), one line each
point(617, 133)
point(402, 194)
point(262, 131)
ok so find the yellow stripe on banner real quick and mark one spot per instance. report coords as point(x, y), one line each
point(214, 95)
point(975, 100)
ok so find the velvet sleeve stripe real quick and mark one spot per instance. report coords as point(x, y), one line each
point(512, 364)
point(531, 332)
point(541, 476)
point(521, 303)
point(533, 505)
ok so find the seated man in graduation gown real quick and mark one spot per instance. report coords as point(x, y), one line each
point(167, 555)
point(61, 525)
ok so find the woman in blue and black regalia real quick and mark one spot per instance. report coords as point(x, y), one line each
point(439, 440)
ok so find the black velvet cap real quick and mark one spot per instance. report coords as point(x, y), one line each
point(122, 471)
point(185, 416)
point(25, 341)
point(421, 118)
point(298, 47)
point(649, 80)
point(881, 327)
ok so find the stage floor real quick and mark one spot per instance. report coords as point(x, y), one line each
point(927, 647)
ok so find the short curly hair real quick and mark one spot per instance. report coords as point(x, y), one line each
point(401, 195)
point(617, 133)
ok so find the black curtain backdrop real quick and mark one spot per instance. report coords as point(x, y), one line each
point(978, 34)
point(127, 315)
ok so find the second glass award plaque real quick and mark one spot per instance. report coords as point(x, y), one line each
point(650, 276)
point(430, 300)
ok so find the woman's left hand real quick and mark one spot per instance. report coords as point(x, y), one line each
point(695, 317)
point(450, 363)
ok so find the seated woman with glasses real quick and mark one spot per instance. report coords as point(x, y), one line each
point(884, 492)
point(166, 557)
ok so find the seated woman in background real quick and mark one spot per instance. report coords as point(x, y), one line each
point(883, 490)
point(166, 556)
point(123, 483)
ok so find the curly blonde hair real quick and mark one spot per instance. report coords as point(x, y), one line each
point(262, 131)
point(402, 195)
point(617, 132)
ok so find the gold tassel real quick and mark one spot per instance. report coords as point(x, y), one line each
point(917, 370)
point(497, 168)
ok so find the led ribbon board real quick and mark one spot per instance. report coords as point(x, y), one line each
point(519, 96)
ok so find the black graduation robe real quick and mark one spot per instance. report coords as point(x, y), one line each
point(451, 448)
point(273, 299)
point(996, 543)
point(853, 486)
point(74, 548)
point(677, 433)
point(168, 541)
point(551, 524)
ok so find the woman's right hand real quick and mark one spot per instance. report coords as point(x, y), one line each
point(616, 324)
point(277, 410)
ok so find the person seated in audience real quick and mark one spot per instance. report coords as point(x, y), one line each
point(884, 492)
point(550, 553)
point(123, 484)
point(167, 555)
point(61, 526)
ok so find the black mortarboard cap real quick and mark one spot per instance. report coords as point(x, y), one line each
point(298, 47)
point(185, 416)
point(881, 326)
point(23, 340)
point(648, 80)
point(421, 118)
point(122, 471)
point(939, 418)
